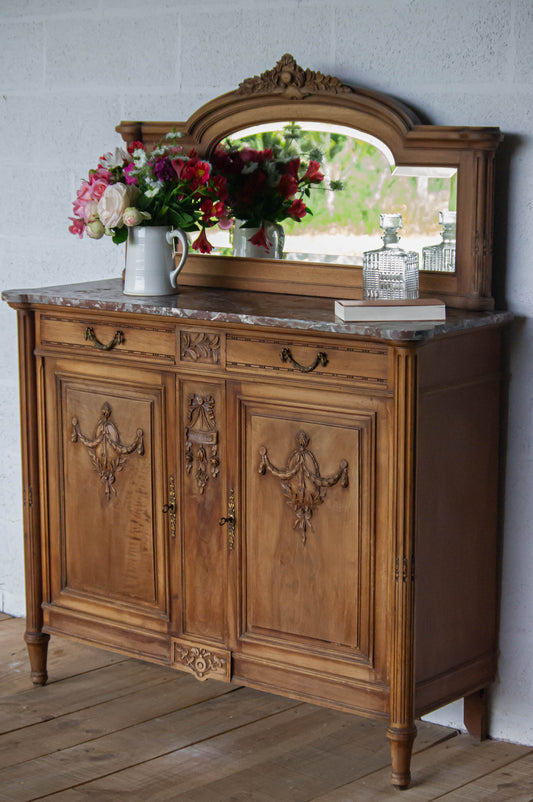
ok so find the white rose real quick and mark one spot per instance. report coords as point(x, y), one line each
point(114, 202)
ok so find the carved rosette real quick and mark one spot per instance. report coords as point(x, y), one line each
point(288, 78)
point(301, 482)
point(107, 453)
point(200, 347)
point(199, 660)
point(201, 440)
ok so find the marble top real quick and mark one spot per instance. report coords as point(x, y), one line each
point(268, 310)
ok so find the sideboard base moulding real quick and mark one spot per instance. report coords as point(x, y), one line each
point(241, 486)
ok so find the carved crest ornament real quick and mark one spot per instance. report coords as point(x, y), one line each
point(301, 482)
point(201, 431)
point(288, 78)
point(107, 453)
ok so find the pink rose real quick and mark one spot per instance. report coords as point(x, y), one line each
point(98, 188)
point(113, 204)
point(82, 196)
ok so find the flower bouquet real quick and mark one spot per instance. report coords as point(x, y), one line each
point(265, 186)
point(164, 187)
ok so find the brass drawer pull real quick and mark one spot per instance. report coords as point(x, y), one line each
point(321, 359)
point(118, 339)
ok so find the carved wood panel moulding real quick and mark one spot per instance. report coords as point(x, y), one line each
point(201, 432)
point(200, 347)
point(107, 453)
point(301, 481)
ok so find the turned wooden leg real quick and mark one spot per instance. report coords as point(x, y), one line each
point(401, 747)
point(37, 643)
point(36, 640)
point(475, 715)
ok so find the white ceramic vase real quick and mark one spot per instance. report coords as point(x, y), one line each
point(150, 254)
point(243, 247)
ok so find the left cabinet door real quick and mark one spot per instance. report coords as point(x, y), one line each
point(108, 467)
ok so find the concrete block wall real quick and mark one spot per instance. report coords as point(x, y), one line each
point(70, 71)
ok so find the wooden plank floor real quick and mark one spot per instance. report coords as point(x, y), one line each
point(107, 727)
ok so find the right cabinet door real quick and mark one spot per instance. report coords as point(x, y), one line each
point(311, 464)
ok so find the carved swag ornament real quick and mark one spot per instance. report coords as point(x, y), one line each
point(302, 484)
point(199, 660)
point(201, 431)
point(107, 453)
point(288, 78)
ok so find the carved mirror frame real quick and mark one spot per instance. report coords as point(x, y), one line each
point(288, 92)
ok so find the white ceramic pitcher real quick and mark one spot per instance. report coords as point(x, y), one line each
point(150, 252)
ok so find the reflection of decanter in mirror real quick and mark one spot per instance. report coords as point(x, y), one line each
point(441, 257)
point(390, 272)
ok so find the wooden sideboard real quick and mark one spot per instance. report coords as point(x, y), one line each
point(243, 487)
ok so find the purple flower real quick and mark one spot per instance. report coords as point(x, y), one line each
point(163, 170)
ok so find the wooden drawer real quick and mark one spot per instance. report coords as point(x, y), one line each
point(112, 337)
point(360, 364)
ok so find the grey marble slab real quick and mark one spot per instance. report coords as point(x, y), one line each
point(267, 310)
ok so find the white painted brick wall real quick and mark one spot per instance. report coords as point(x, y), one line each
point(70, 71)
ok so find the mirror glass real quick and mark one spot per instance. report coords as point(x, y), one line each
point(345, 222)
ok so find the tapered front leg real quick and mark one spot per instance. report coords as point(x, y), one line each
point(36, 640)
point(401, 748)
point(37, 643)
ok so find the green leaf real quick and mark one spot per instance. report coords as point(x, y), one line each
point(121, 235)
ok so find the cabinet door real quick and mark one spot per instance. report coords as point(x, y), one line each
point(107, 483)
point(306, 547)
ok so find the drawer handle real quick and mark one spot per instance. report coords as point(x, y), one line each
point(320, 359)
point(118, 339)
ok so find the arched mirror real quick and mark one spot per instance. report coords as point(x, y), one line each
point(387, 161)
point(366, 182)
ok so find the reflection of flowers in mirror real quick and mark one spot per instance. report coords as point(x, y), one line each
point(164, 187)
point(268, 185)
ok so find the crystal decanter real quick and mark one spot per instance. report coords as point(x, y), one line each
point(441, 257)
point(390, 272)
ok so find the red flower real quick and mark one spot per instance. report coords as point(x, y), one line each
point(259, 239)
point(288, 185)
point(219, 209)
point(297, 210)
point(178, 165)
point(221, 191)
point(207, 209)
point(136, 145)
point(202, 244)
point(292, 167)
point(313, 173)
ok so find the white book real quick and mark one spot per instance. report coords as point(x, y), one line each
point(419, 309)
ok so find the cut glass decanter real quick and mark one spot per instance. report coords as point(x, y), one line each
point(390, 272)
point(441, 257)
